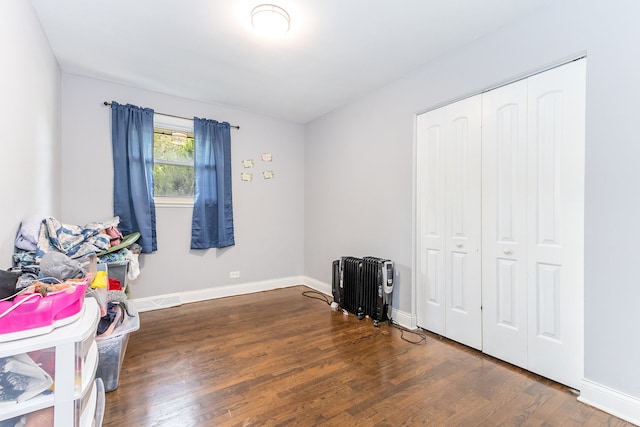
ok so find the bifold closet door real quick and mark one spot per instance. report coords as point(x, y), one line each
point(504, 225)
point(463, 278)
point(555, 226)
point(533, 223)
point(431, 192)
point(449, 197)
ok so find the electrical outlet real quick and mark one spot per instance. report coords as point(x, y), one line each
point(234, 275)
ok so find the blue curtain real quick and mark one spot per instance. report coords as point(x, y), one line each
point(132, 142)
point(212, 223)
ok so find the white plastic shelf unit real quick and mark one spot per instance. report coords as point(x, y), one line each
point(77, 396)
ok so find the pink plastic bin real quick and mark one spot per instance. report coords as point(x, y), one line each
point(39, 315)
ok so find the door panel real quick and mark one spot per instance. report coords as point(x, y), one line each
point(507, 293)
point(463, 233)
point(555, 229)
point(458, 282)
point(430, 200)
point(507, 124)
point(504, 279)
point(548, 140)
point(448, 198)
point(548, 302)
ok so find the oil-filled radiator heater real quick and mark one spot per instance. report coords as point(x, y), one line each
point(363, 286)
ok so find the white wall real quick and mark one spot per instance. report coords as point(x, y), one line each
point(359, 161)
point(30, 123)
point(268, 215)
point(357, 197)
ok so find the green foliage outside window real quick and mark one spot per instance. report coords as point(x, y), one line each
point(173, 164)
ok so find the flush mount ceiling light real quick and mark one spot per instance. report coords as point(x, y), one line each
point(271, 20)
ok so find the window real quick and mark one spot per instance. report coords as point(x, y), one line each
point(173, 159)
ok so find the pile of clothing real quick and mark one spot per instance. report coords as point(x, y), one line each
point(39, 235)
point(48, 256)
point(116, 310)
point(50, 252)
point(40, 238)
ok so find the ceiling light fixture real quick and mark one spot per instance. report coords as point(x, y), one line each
point(271, 20)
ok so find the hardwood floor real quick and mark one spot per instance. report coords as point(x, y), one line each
point(279, 358)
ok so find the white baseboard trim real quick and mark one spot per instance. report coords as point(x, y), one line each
point(319, 286)
point(158, 302)
point(175, 299)
point(609, 400)
point(404, 319)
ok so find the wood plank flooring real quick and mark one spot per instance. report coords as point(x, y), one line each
point(278, 358)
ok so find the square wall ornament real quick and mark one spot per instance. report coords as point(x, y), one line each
point(268, 175)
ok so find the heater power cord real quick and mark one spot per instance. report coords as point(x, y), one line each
point(316, 295)
point(422, 338)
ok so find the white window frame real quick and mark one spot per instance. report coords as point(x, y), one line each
point(180, 125)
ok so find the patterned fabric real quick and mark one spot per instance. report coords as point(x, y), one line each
point(73, 240)
point(21, 378)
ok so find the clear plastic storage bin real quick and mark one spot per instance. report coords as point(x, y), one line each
point(118, 270)
point(52, 375)
point(111, 350)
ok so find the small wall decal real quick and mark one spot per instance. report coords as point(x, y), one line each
point(268, 175)
point(247, 163)
point(266, 157)
point(247, 177)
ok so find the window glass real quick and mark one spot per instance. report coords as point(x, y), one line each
point(173, 163)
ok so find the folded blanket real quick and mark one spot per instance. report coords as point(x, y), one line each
point(28, 233)
point(73, 240)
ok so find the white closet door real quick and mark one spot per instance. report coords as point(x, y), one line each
point(448, 221)
point(430, 188)
point(529, 205)
point(555, 232)
point(462, 223)
point(504, 216)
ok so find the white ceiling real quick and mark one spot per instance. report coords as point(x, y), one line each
point(335, 52)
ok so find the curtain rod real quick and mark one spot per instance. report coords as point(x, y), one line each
point(177, 117)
